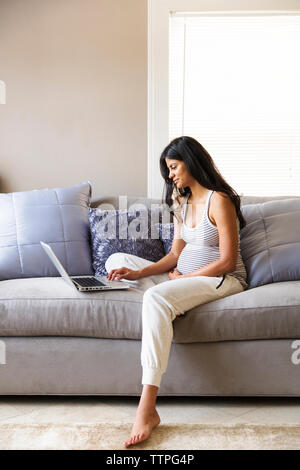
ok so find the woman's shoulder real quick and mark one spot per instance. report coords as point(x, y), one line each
point(220, 198)
point(220, 195)
point(220, 201)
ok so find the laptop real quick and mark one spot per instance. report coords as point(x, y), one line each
point(83, 283)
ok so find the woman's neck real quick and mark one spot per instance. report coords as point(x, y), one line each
point(198, 193)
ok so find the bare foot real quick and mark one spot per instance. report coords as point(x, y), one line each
point(143, 425)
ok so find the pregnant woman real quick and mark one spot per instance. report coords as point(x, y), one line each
point(204, 263)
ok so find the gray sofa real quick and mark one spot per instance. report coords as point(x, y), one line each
point(63, 342)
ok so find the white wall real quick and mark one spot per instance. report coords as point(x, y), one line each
point(76, 95)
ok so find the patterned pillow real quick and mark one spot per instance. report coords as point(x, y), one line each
point(126, 231)
point(166, 234)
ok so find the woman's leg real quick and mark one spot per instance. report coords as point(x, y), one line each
point(146, 417)
point(161, 305)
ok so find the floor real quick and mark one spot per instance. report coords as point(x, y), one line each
point(193, 410)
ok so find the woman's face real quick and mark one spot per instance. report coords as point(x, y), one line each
point(178, 173)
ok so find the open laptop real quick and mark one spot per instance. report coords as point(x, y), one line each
point(83, 283)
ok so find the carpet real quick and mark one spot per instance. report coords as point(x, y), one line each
point(106, 436)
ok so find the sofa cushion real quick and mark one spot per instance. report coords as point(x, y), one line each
point(49, 306)
point(57, 216)
point(270, 242)
point(128, 231)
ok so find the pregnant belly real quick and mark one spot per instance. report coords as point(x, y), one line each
point(195, 257)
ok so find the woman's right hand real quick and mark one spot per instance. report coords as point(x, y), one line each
point(123, 273)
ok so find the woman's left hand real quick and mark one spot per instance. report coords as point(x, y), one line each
point(174, 274)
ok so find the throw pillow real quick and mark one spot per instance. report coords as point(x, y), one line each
point(56, 216)
point(166, 234)
point(270, 242)
point(130, 231)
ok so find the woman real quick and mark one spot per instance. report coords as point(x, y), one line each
point(204, 263)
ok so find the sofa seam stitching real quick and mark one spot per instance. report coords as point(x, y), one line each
point(17, 235)
point(210, 339)
point(63, 229)
point(267, 242)
point(37, 243)
point(136, 302)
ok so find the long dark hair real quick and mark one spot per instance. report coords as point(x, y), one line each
point(201, 166)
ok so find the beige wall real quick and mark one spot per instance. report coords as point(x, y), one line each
point(76, 98)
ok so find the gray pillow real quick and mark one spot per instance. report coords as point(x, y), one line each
point(270, 242)
point(56, 216)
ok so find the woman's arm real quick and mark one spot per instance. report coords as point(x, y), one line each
point(163, 265)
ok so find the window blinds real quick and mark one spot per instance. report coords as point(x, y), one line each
point(234, 86)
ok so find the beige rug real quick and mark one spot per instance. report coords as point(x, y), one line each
point(164, 437)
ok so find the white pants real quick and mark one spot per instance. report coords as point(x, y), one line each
point(163, 301)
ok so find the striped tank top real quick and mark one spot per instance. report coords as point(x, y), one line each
point(202, 246)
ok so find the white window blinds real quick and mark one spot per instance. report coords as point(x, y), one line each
point(234, 86)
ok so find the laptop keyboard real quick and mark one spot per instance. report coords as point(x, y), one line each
point(88, 281)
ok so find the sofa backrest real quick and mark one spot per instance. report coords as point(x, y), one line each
point(269, 242)
point(112, 202)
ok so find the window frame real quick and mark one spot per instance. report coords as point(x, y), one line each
point(158, 65)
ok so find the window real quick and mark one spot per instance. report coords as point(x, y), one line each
point(228, 77)
point(234, 86)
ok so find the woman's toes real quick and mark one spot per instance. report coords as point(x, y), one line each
point(135, 439)
point(127, 443)
point(139, 438)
